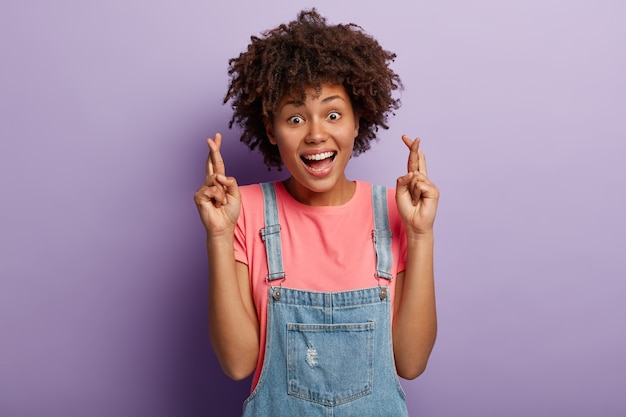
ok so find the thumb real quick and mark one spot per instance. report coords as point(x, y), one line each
point(229, 183)
point(403, 182)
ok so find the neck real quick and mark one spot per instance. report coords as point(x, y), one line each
point(338, 195)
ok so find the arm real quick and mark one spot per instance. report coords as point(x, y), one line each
point(233, 325)
point(415, 317)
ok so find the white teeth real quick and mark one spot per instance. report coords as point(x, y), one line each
point(318, 156)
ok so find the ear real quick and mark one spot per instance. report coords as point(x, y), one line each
point(269, 130)
point(356, 124)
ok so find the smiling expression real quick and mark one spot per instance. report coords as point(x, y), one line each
point(315, 138)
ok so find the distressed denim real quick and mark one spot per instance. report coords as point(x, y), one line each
point(328, 354)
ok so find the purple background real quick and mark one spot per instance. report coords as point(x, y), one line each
point(105, 107)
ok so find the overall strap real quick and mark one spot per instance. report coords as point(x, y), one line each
point(381, 233)
point(271, 234)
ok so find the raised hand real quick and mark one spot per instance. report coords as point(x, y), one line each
point(416, 195)
point(218, 199)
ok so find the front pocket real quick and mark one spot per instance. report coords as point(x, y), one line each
point(330, 364)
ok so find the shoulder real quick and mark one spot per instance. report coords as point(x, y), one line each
point(392, 208)
point(369, 187)
point(253, 202)
point(251, 206)
point(250, 190)
point(251, 194)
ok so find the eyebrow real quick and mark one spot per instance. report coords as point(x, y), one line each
point(298, 103)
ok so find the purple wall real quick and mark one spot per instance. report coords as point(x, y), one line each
point(104, 109)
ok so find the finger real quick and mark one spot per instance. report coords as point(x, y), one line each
point(230, 186)
point(416, 190)
point(211, 194)
point(422, 163)
point(413, 145)
point(214, 162)
point(427, 189)
point(209, 164)
point(403, 182)
point(216, 155)
point(410, 184)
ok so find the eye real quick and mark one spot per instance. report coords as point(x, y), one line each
point(334, 115)
point(295, 120)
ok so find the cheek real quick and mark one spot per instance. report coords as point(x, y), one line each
point(285, 149)
point(350, 135)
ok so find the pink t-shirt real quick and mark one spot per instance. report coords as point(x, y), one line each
point(325, 248)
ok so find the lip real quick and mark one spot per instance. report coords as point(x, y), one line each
point(319, 172)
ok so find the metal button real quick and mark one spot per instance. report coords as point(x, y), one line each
point(276, 294)
point(383, 293)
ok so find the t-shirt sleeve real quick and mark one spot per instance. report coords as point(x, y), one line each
point(240, 242)
point(240, 246)
point(397, 229)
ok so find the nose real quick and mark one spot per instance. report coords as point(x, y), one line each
point(316, 133)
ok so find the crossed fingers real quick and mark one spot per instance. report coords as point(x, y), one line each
point(214, 162)
point(417, 160)
point(418, 184)
point(213, 189)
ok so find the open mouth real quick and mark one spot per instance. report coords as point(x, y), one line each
point(318, 161)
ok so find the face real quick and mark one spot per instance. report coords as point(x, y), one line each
point(315, 138)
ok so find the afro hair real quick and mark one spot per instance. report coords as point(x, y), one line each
point(307, 53)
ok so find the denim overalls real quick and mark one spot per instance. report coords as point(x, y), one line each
point(328, 354)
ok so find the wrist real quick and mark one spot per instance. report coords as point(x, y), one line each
point(216, 237)
point(420, 237)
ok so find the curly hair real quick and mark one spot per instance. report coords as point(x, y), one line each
point(308, 52)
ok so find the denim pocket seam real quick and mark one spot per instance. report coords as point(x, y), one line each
point(302, 379)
